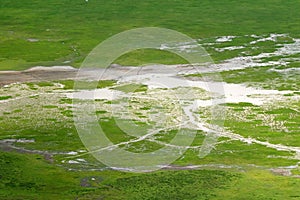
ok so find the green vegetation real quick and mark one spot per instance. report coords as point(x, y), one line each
point(53, 32)
point(28, 176)
point(265, 78)
point(278, 125)
point(219, 53)
point(35, 175)
point(5, 97)
point(131, 88)
point(42, 155)
point(149, 56)
point(173, 185)
point(262, 77)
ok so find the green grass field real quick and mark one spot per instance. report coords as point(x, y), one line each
point(42, 155)
point(53, 32)
point(29, 177)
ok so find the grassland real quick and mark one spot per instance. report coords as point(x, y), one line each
point(57, 154)
point(29, 177)
point(42, 156)
point(64, 32)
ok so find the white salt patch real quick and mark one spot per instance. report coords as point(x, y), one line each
point(225, 39)
point(33, 40)
point(18, 140)
point(229, 48)
point(59, 85)
point(293, 69)
point(209, 44)
point(53, 68)
point(183, 47)
point(255, 61)
point(272, 37)
point(254, 36)
point(204, 103)
point(289, 49)
point(233, 93)
point(25, 141)
point(72, 153)
point(236, 93)
point(103, 93)
point(188, 48)
point(286, 50)
point(73, 162)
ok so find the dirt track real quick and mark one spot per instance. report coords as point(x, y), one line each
point(64, 72)
point(33, 76)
